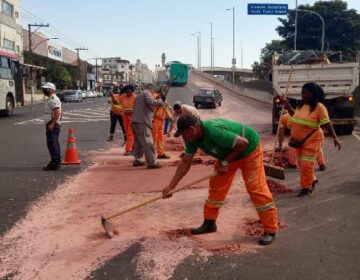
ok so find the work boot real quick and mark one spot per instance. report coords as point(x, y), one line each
point(322, 167)
point(304, 192)
point(207, 227)
point(267, 238)
point(52, 166)
point(154, 166)
point(314, 184)
point(163, 156)
point(138, 163)
point(111, 137)
point(291, 166)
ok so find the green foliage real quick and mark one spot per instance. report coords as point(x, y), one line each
point(59, 75)
point(342, 31)
point(262, 69)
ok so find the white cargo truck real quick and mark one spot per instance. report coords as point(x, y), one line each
point(339, 80)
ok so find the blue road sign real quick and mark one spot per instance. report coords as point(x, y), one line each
point(267, 9)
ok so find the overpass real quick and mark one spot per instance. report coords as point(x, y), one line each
point(225, 73)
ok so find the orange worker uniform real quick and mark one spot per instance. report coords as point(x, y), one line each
point(115, 104)
point(218, 140)
point(127, 102)
point(160, 114)
point(302, 123)
point(284, 122)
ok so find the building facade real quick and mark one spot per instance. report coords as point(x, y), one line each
point(115, 70)
point(10, 28)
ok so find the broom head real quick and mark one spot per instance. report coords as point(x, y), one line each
point(274, 171)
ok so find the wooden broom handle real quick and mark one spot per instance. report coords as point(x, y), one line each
point(281, 112)
point(111, 216)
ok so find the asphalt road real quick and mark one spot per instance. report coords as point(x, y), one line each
point(322, 241)
point(23, 153)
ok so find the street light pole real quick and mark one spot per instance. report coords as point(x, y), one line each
point(233, 62)
point(322, 25)
point(31, 57)
point(211, 51)
point(296, 19)
point(197, 50)
point(199, 32)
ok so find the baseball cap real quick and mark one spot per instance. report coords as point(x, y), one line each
point(49, 86)
point(183, 123)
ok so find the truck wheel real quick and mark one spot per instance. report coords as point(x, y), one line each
point(348, 129)
point(214, 105)
point(196, 105)
point(338, 129)
point(219, 103)
point(9, 110)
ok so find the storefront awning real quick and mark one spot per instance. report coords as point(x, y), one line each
point(33, 66)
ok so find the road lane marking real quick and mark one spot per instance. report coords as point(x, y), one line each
point(76, 116)
point(356, 135)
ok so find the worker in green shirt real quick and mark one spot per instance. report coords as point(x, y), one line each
point(235, 146)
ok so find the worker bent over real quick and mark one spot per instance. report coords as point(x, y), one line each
point(236, 146)
point(127, 101)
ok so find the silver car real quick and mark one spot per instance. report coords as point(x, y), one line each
point(72, 95)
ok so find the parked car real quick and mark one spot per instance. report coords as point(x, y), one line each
point(208, 97)
point(84, 94)
point(60, 94)
point(90, 94)
point(72, 95)
point(100, 94)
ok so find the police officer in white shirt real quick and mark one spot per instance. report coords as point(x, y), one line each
point(52, 119)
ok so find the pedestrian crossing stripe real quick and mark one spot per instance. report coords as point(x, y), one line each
point(76, 116)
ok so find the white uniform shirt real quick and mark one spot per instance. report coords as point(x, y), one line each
point(52, 103)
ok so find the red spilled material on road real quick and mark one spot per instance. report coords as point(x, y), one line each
point(277, 188)
point(254, 228)
point(229, 250)
point(178, 233)
point(280, 158)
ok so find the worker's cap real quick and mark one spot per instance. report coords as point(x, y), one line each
point(183, 123)
point(49, 86)
point(127, 88)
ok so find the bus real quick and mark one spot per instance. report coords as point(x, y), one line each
point(178, 73)
point(11, 87)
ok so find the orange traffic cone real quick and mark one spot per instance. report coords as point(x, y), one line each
point(71, 156)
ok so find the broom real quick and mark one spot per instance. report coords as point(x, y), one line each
point(272, 170)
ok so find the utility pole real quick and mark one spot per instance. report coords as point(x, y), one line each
point(78, 60)
point(31, 57)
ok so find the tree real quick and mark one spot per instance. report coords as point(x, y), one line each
point(342, 28)
point(342, 32)
point(262, 69)
point(59, 75)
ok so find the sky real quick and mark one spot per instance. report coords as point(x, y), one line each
point(144, 29)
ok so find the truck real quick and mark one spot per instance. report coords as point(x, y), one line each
point(178, 73)
point(339, 80)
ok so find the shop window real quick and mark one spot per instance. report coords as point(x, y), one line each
point(7, 8)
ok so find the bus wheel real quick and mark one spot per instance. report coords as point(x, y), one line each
point(9, 106)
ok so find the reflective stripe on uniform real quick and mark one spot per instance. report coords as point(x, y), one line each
point(324, 121)
point(215, 203)
point(302, 122)
point(265, 207)
point(306, 158)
